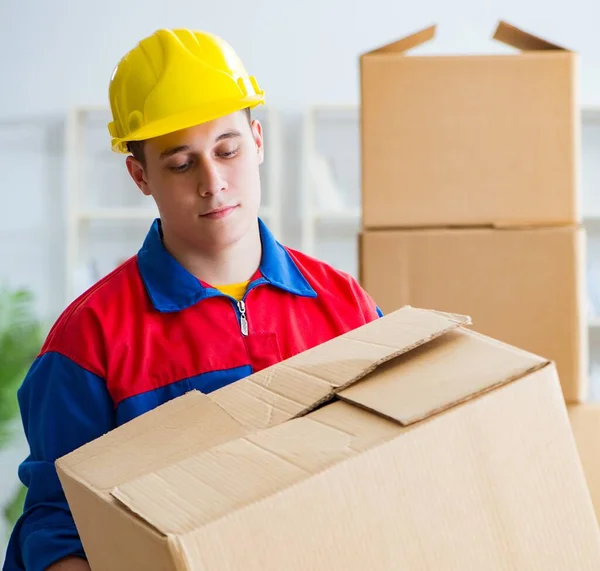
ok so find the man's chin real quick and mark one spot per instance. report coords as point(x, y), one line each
point(223, 234)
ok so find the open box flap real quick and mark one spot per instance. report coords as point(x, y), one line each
point(301, 383)
point(521, 40)
point(439, 375)
point(505, 33)
point(196, 491)
point(407, 43)
point(146, 443)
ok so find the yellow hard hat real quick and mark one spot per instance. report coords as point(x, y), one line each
point(176, 79)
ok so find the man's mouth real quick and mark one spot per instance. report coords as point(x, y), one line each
point(220, 212)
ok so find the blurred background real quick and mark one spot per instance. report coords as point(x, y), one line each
point(70, 213)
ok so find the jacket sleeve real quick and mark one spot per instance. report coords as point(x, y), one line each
point(63, 406)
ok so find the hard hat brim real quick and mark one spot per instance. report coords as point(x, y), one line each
point(188, 118)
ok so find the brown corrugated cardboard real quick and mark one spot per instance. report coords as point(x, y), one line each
point(469, 140)
point(410, 443)
point(524, 287)
point(585, 421)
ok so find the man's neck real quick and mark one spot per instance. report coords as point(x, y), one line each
point(234, 264)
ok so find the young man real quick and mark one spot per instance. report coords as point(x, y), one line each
point(210, 297)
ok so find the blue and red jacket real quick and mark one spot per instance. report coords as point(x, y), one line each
point(147, 333)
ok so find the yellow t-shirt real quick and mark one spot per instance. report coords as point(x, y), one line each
point(236, 291)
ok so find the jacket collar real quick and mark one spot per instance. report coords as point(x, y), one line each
point(172, 288)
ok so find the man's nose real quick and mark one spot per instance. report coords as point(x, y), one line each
point(211, 179)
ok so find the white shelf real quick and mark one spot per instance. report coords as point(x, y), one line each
point(594, 322)
point(325, 199)
point(117, 214)
point(590, 114)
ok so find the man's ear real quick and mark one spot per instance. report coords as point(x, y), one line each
point(138, 174)
point(257, 134)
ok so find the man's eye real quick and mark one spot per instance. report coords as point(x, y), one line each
point(228, 154)
point(180, 168)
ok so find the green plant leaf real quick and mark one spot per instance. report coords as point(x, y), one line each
point(21, 336)
point(14, 509)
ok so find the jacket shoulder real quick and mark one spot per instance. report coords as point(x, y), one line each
point(84, 328)
point(338, 287)
point(320, 273)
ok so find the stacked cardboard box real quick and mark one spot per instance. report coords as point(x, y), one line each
point(411, 443)
point(470, 191)
point(585, 422)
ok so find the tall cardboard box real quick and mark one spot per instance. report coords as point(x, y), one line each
point(411, 443)
point(457, 140)
point(585, 421)
point(522, 286)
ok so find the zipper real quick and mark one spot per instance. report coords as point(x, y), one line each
point(243, 320)
point(241, 306)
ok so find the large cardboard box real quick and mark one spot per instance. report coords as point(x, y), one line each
point(411, 443)
point(522, 286)
point(463, 140)
point(585, 421)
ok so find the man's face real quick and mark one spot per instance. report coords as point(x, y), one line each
point(205, 180)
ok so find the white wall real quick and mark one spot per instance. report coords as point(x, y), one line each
point(61, 53)
point(64, 51)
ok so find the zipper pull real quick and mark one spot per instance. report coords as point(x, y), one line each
point(243, 320)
